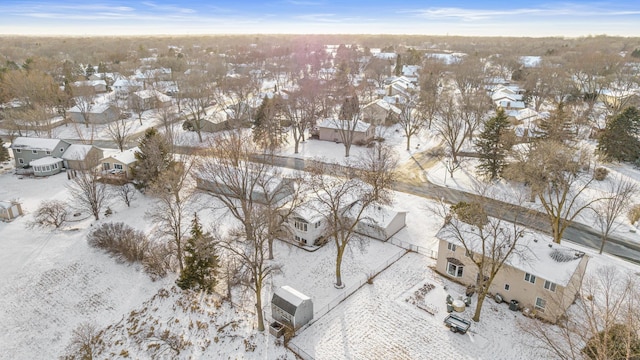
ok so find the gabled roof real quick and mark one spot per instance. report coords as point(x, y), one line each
point(126, 157)
point(379, 216)
point(288, 299)
point(31, 143)
point(384, 105)
point(77, 152)
point(360, 126)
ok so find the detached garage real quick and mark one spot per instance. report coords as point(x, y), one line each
point(9, 210)
point(291, 308)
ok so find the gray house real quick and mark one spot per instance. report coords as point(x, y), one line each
point(291, 308)
point(27, 149)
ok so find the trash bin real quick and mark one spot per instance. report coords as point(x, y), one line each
point(513, 305)
point(449, 308)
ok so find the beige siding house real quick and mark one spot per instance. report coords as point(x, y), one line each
point(380, 112)
point(119, 164)
point(545, 280)
point(82, 157)
point(333, 130)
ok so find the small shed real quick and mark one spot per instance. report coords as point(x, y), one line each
point(290, 307)
point(10, 210)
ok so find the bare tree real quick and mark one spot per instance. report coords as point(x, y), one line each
point(88, 192)
point(348, 122)
point(604, 324)
point(554, 173)
point(300, 109)
point(451, 127)
point(119, 131)
point(197, 93)
point(86, 343)
point(174, 193)
point(411, 120)
point(488, 241)
point(84, 99)
point(51, 213)
point(621, 192)
point(344, 200)
point(126, 192)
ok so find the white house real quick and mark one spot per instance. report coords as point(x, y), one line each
point(307, 224)
point(119, 164)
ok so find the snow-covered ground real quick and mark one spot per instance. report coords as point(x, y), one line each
point(53, 281)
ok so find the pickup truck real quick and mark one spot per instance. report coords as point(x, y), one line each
point(457, 324)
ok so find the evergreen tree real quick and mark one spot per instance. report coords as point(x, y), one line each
point(102, 68)
point(4, 153)
point(201, 262)
point(558, 126)
point(492, 145)
point(90, 70)
point(267, 132)
point(398, 68)
point(620, 140)
point(153, 158)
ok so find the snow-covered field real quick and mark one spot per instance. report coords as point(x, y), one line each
point(53, 281)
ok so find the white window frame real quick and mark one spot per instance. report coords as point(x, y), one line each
point(530, 278)
point(541, 304)
point(455, 270)
point(451, 246)
point(118, 166)
point(551, 286)
point(300, 224)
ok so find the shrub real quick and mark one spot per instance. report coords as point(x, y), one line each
point(634, 214)
point(51, 213)
point(158, 261)
point(600, 173)
point(121, 241)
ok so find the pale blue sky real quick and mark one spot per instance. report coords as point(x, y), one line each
point(438, 17)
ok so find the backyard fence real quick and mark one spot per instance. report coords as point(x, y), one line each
point(415, 248)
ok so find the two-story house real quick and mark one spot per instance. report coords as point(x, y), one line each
point(543, 276)
point(43, 156)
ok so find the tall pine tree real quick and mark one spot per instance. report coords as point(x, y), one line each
point(620, 140)
point(201, 262)
point(558, 126)
point(153, 157)
point(492, 145)
point(4, 153)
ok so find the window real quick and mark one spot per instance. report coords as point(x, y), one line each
point(61, 150)
point(34, 151)
point(48, 152)
point(506, 287)
point(117, 166)
point(20, 161)
point(451, 246)
point(541, 304)
point(300, 224)
point(549, 285)
point(530, 278)
point(18, 150)
point(454, 270)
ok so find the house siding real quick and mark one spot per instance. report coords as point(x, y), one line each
point(519, 289)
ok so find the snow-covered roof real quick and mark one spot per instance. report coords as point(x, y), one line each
point(361, 126)
point(150, 94)
point(383, 104)
point(288, 299)
point(511, 104)
point(386, 55)
point(499, 95)
point(309, 211)
point(530, 61)
point(537, 254)
point(448, 59)
point(380, 216)
point(126, 83)
point(77, 152)
point(5, 204)
point(125, 157)
point(30, 143)
point(97, 108)
point(47, 160)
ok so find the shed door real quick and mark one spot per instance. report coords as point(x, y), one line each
point(13, 211)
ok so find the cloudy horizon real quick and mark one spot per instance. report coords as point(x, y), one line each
point(191, 17)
